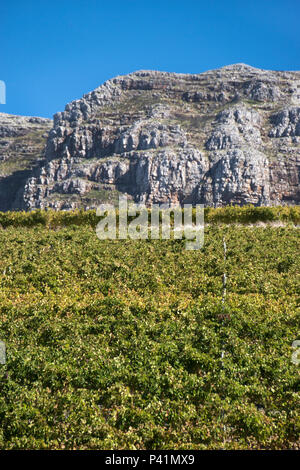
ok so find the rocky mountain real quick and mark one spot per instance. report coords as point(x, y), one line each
point(22, 142)
point(230, 135)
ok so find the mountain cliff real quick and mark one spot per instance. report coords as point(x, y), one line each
point(22, 142)
point(230, 135)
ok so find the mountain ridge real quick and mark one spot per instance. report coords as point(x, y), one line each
point(225, 136)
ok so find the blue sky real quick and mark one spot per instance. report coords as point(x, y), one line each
point(55, 51)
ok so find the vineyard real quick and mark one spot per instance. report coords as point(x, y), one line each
point(132, 344)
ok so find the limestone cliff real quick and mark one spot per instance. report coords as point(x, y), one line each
point(22, 142)
point(225, 136)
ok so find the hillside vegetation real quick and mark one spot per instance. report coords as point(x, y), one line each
point(128, 345)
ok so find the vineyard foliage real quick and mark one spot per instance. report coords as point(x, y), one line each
point(228, 214)
point(127, 344)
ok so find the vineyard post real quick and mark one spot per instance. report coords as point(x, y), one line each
point(2, 353)
point(223, 307)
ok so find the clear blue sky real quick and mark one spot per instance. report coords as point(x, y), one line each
point(55, 51)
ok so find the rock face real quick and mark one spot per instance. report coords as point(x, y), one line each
point(22, 142)
point(226, 136)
